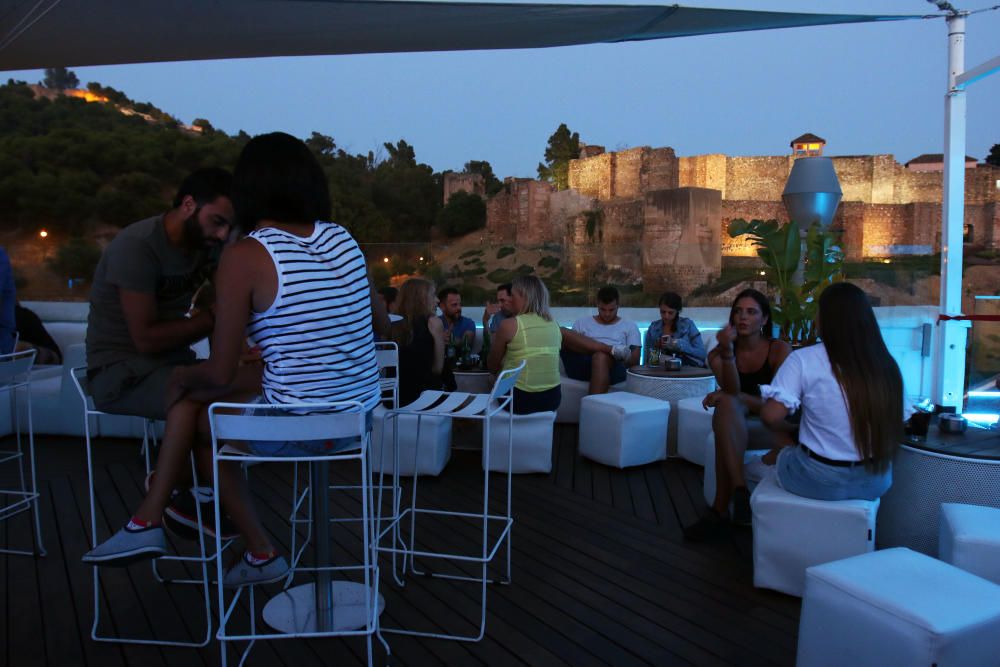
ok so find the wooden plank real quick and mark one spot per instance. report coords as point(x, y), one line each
point(642, 502)
point(623, 571)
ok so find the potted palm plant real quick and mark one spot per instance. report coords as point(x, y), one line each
point(781, 249)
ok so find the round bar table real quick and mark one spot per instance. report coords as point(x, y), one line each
point(940, 468)
point(670, 386)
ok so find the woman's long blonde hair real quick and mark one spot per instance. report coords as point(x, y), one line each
point(415, 300)
point(536, 296)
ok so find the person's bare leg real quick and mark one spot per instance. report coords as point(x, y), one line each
point(577, 342)
point(179, 434)
point(600, 372)
point(731, 436)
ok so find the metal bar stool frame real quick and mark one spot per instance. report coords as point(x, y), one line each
point(387, 356)
point(347, 421)
point(15, 376)
point(79, 375)
point(458, 405)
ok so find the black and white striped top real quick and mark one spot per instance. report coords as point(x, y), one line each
point(316, 339)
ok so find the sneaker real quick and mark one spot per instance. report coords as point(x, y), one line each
point(244, 573)
point(742, 515)
point(709, 527)
point(181, 515)
point(127, 546)
point(621, 352)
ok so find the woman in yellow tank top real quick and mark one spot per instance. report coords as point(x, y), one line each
point(533, 337)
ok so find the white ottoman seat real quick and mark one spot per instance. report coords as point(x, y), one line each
point(792, 533)
point(970, 539)
point(435, 444)
point(897, 607)
point(573, 391)
point(532, 443)
point(694, 424)
point(623, 429)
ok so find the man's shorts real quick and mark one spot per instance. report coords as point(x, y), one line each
point(299, 448)
point(578, 366)
point(135, 386)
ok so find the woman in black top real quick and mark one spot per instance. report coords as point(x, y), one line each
point(420, 337)
point(745, 358)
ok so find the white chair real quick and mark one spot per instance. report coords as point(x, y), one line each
point(623, 429)
point(459, 405)
point(574, 391)
point(792, 533)
point(970, 539)
point(532, 443)
point(15, 377)
point(387, 357)
point(897, 607)
point(200, 559)
point(305, 611)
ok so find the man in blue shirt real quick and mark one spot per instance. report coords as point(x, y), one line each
point(455, 326)
point(8, 326)
point(495, 313)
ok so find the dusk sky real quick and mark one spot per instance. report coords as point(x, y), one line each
point(871, 88)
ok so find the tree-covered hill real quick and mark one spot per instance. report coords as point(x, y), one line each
point(68, 164)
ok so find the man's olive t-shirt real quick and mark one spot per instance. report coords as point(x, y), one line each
point(139, 259)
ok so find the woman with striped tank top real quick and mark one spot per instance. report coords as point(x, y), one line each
point(533, 337)
point(298, 288)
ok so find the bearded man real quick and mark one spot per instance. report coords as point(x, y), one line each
point(141, 326)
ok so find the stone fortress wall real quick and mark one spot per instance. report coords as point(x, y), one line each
point(663, 218)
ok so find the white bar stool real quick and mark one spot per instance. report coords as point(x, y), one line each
point(458, 405)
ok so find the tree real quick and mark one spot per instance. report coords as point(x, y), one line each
point(465, 212)
point(563, 146)
point(60, 78)
point(484, 169)
point(206, 127)
point(994, 156)
point(321, 144)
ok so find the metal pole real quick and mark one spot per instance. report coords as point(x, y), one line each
point(948, 379)
point(319, 495)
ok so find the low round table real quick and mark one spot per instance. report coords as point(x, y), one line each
point(941, 468)
point(670, 386)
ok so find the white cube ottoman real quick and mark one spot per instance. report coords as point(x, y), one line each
point(623, 429)
point(897, 607)
point(753, 474)
point(792, 533)
point(970, 539)
point(573, 392)
point(532, 440)
point(694, 424)
point(435, 444)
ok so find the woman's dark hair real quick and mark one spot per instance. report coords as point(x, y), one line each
point(278, 178)
point(765, 309)
point(671, 300)
point(867, 373)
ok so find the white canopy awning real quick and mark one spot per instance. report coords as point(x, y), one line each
point(76, 33)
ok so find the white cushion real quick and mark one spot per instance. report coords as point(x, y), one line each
point(432, 455)
point(897, 607)
point(623, 429)
point(792, 533)
point(694, 424)
point(573, 392)
point(970, 539)
point(532, 443)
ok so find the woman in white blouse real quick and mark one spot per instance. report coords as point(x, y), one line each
point(850, 394)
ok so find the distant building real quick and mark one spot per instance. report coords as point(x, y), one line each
point(463, 182)
point(935, 162)
point(808, 145)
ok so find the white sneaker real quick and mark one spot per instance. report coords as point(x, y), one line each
point(127, 546)
point(621, 352)
point(243, 573)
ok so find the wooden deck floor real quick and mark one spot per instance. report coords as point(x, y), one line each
point(600, 575)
